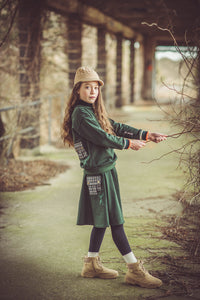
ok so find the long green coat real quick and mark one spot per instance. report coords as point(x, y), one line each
point(100, 202)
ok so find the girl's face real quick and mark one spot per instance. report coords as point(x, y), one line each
point(89, 91)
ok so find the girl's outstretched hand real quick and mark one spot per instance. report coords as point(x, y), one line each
point(157, 137)
point(137, 144)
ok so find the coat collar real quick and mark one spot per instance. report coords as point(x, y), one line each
point(81, 102)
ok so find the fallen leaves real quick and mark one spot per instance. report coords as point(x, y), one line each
point(20, 175)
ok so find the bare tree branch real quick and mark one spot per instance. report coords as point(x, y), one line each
point(10, 26)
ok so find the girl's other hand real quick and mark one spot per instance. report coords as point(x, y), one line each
point(156, 137)
point(137, 144)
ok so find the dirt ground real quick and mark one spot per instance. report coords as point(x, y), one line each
point(19, 175)
point(42, 249)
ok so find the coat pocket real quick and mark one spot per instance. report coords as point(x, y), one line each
point(94, 184)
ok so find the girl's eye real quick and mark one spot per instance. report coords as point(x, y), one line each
point(95, 88)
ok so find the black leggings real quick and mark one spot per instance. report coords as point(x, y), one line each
point(118, 235)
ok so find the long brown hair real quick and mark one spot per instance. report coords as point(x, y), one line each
point(99, 110)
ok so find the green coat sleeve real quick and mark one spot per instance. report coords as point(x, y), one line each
point(127, 131)
point(89, 128)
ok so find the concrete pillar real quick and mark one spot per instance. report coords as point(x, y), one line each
point(198, 76)
point(30, 32)
point(111, 73)
point(119, 72)
point(74, 49)
point(149, 65)
point(138, 70)
point(89, 54)
point(101, 56)
point(132, 69)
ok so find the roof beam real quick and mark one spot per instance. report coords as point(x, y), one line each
point(92, 16)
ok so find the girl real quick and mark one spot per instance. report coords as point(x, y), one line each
point(94, 137)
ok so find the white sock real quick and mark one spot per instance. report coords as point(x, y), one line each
point(130, 258)
point(93, 254)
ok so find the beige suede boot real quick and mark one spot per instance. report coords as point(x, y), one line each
point(137, 275)
point(93, 268)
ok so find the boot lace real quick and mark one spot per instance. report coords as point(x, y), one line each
point(99, 263)
point(142, 267)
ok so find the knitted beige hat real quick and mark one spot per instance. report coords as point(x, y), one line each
point(86, 74)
